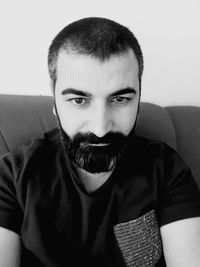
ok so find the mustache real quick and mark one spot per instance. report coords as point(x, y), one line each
point(90, 138)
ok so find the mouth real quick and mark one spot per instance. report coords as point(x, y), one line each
point(94, 145)
point(98, 144)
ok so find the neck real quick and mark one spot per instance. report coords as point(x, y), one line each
point(92, 181)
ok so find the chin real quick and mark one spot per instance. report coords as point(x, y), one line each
point(96, 168)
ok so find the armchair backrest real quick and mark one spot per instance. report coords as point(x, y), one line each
point(25, 117)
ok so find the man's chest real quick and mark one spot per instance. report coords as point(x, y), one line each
point(110, 231)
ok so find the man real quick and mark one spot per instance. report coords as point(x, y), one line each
point(92, 193)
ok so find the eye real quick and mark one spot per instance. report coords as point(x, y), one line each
point(79, 101)
point(120, 100)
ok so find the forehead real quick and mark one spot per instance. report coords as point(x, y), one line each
point(87, 73)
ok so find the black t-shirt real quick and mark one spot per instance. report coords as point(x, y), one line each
point(60, 224)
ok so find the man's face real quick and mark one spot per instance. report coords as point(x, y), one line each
point(97, 105)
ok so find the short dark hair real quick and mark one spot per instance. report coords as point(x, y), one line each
point(98, 37)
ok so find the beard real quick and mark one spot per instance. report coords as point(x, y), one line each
point(94, 154)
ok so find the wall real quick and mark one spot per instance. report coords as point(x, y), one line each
point(168, 31)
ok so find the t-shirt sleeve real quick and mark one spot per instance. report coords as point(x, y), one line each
point(180, 195)
point(10, 212)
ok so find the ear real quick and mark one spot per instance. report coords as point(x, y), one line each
point(54, 111)
point(51, 86)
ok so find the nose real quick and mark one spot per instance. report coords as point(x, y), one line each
point(100, 122)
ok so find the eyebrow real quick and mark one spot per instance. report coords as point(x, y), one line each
point(127, 90)
point(75, 92)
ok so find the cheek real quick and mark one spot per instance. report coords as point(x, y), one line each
point(71, 123)
point(126, 121)
point(69, 120)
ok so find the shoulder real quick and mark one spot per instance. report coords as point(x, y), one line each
point(152, 145)
point(30, 172)
point(163, 161)
point(155, 152)
point(177, 193)
point(36, 152)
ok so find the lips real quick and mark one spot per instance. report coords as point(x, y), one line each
point(91, 144)
point(98, 144)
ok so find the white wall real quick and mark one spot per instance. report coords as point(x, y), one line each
point(168, 30)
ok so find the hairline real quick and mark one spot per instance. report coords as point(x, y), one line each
point(70, 51)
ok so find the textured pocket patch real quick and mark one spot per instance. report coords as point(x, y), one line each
point(139, 240)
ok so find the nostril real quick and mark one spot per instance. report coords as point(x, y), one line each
point(100, 121)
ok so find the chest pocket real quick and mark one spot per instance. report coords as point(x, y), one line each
point(139, 240)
